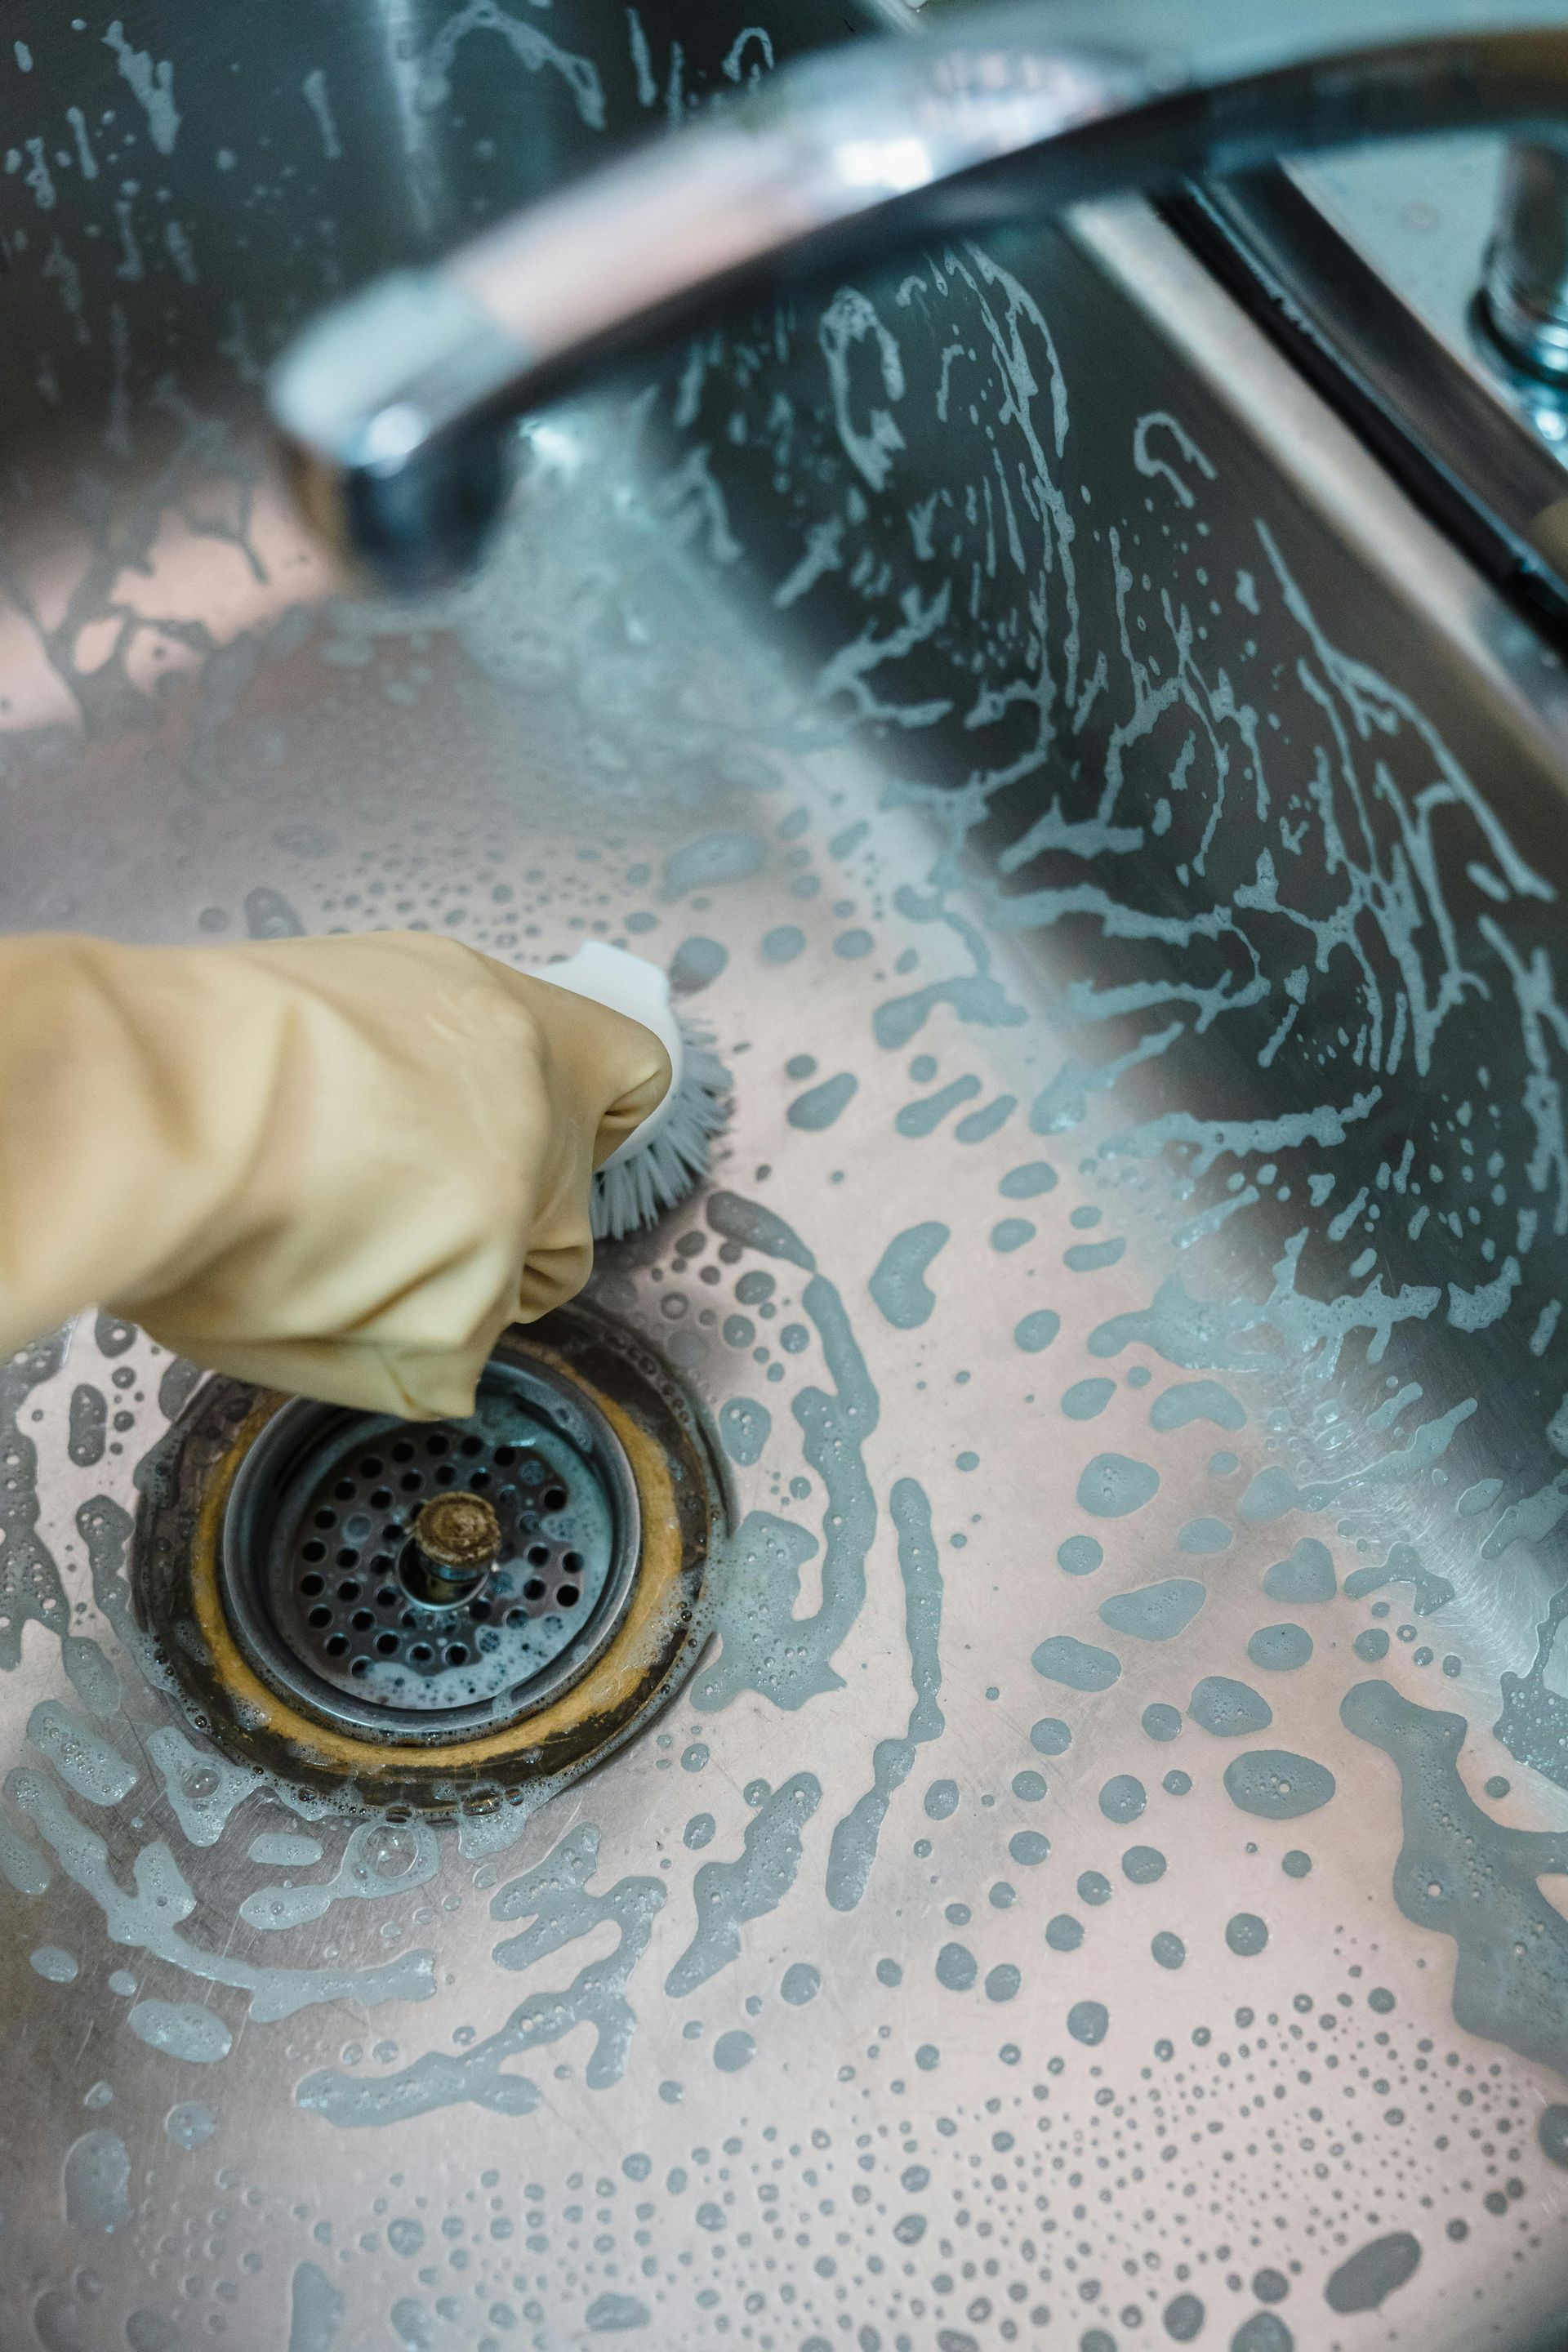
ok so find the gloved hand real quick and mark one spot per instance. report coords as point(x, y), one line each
point(336, 1166)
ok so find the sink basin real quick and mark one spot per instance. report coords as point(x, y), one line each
point(1100, 1885)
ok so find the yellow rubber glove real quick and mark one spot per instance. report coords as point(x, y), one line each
point(336, 1166)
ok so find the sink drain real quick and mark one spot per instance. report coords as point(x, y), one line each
point(408, 1581)
point(438, 1614)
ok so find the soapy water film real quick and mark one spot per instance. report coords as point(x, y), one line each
point(1104, 876)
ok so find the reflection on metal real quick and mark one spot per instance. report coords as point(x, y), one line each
point(336, 1604)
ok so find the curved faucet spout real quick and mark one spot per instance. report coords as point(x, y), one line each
point(395, 402)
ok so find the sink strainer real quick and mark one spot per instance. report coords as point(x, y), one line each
point(412, 1582)
point(436, 1611)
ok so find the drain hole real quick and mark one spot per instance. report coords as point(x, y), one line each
point(325, 1574)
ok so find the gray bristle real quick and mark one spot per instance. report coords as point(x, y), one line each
point(670, 1168)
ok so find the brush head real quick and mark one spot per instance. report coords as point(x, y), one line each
point(644, 1178)
point(663, 1161)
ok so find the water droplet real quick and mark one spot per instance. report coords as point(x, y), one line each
point(390, 1850)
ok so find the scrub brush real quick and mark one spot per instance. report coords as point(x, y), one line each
point(662, 1163)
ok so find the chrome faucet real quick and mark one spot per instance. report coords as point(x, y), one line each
point(397, 402)
point(1524, 298)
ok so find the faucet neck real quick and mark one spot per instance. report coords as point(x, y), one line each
point(1007, 113)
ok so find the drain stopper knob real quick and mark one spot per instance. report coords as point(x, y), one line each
point(459, 1533)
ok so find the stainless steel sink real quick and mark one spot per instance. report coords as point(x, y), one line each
point(1099, 1886)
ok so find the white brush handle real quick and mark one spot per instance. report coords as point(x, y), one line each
point(627, 983)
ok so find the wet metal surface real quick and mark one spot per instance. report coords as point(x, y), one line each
point(1100, 1884)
